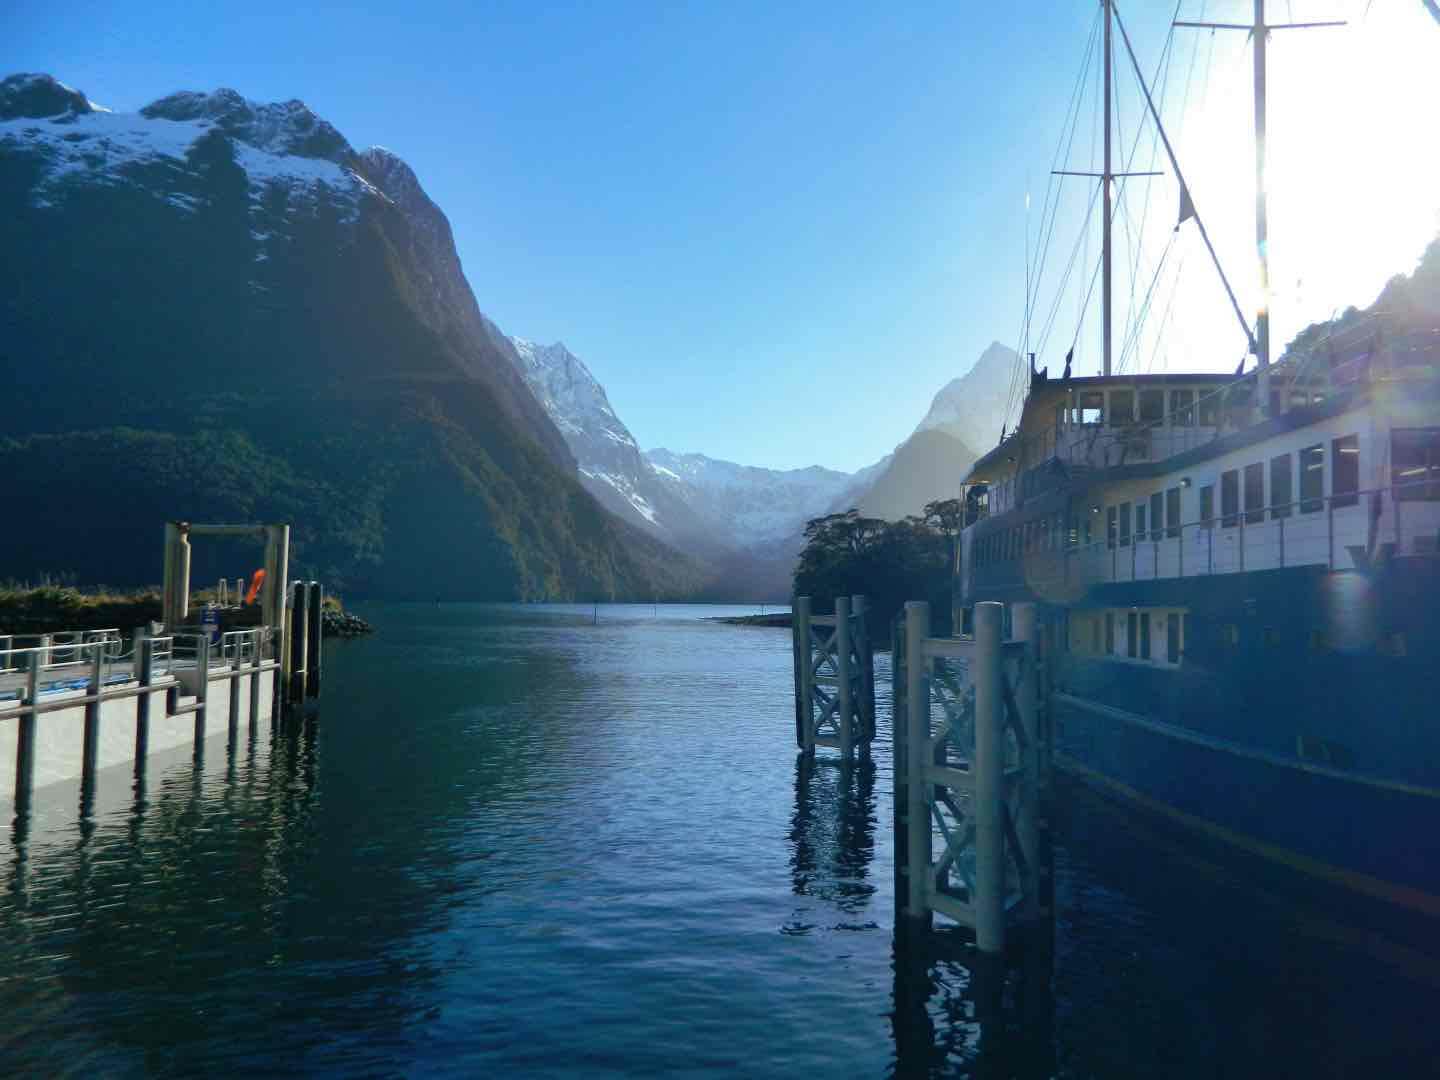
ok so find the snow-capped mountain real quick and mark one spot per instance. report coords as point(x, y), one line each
point(217, 308)
point(972, 406)
point(757, 505)
point(689, 499)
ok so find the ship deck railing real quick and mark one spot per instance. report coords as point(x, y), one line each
point(1338, 531)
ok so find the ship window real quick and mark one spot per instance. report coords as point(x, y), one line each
point(1109, 633)
point(1172, 638)
point(1230, 498)
point(1280, 486)
point(1254, 493)
point(1172, 512)
point(1207, 506)
point(1346, 469)
point(1182, 408)
point(1139, 521)
point(1415, 463)
point(1124, 524)
point(1144, 635)
point(1122, 407)
point(1152, 406)
point(1312, 478)
point(1132, 638)
point(1209, 408)
point(1092, 407)
point(1111, 518)
point(1157, 515)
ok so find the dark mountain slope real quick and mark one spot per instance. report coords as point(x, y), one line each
point(217, 310)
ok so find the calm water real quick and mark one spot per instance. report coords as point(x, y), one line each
point(519, 844)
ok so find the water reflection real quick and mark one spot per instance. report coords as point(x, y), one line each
point(832, 832)
point(958, 1013)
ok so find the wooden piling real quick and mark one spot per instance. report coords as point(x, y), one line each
point(1027, 700)
point(90, 745)
point(145, 674)
point(25, 742)
point(844, 664)
point(899, 722)
point(865, 651)
point(202, 694)
point(314, 632)
point(917, 737)
point(988, 770)
point(807, 675)
point(299, 646)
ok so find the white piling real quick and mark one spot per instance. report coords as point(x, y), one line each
point(843, 664)
point(807, 674)
point(917, 738)
point(988, 769)
point(1027, 700)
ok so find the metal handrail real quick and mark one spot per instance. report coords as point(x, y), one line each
point(1272, 518)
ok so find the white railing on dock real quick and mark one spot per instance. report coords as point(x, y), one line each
point(101, 674)
point(970, 756)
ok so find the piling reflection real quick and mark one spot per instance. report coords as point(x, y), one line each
point(832, 831)
point(958, 1012)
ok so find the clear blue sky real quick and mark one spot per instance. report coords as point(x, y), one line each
point(759, 224)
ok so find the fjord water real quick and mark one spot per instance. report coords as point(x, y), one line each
point(527, 841)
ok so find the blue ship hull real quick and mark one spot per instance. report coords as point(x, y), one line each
point(1300, 725)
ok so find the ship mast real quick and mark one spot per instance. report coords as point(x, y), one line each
point(1260, 30)
point(1107, 179)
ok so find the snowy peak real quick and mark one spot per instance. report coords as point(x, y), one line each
point(712, 474)
point(972, 407)
point(395, 179)
point(287, 127)
point(568, 391)
point(41, 97)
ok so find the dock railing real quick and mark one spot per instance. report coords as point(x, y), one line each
point(103, 673)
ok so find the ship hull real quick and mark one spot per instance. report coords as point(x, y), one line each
point(1321, 758)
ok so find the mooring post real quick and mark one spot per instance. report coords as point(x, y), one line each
point(47, 650)
point(314, 630)
point(90, 745)
point(898, 723)
point(807, 675)
point(917, 738)
point(232, 720)
point(257, 658)
point(988, 768)
point(865, 657)
point(795, 663)
point(202, 691)
point(844, 671)
point(145, 674)
point(25, 740)
point(299, 643)
point(1027, 703)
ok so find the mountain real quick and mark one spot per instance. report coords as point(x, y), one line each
point(609, 462)
point(964, 416)
point(972, 407)
point(704, 505)
point(926, 467)
point(756, 505)
point(216, 309)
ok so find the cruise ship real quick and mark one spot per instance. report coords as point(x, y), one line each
point(1238, 581)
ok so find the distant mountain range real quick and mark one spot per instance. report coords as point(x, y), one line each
point(218, 309)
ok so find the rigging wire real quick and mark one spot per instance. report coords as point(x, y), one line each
point(1049, 211)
